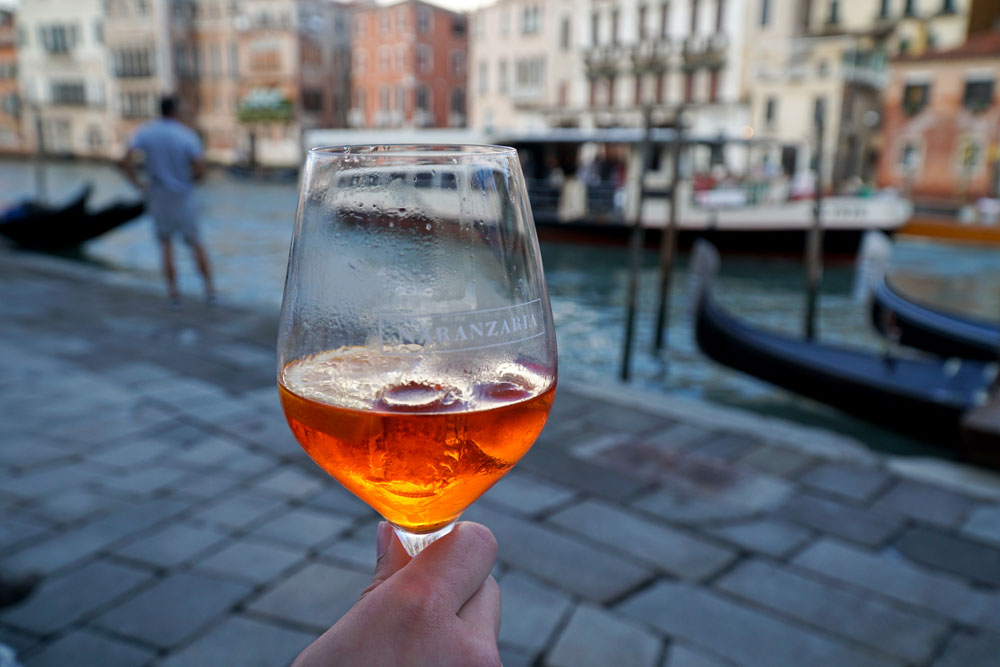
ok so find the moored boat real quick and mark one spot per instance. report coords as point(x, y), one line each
point(925, 398)
point(58, 228)
point(940, 332)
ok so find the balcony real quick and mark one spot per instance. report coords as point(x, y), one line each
point(866, 68)
point(705, 51)
point(651, 54)
point(605, 58)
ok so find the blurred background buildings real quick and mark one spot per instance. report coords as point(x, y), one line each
point(906, 88)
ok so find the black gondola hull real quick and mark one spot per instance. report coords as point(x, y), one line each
point(920, 398)
point(67, 228)
point(938, 332)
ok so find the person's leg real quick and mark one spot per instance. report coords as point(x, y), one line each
point(167, 265)
point(204, 268)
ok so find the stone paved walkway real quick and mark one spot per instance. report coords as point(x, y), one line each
point(146, 471)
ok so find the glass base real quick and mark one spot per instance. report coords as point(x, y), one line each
point(414, 543)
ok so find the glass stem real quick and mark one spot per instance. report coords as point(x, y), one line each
point(414, 543)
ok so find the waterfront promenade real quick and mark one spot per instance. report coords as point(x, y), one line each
point(146, 471)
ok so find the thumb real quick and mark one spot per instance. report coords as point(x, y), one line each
point(391, 556)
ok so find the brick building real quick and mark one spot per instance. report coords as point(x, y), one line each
point(11, 140)
point(942, 123)
point(408, 66)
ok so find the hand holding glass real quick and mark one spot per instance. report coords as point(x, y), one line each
point(416, 352)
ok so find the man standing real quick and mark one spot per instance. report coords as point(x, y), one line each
point(174, 162)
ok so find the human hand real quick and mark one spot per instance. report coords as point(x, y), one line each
point(441, 608)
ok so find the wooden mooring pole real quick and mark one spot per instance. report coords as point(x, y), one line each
point(636, 195)
point(668, 242)
point(814, 239)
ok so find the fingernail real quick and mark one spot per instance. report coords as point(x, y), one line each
point(382, 539)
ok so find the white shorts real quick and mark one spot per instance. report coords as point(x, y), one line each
point(174, 215)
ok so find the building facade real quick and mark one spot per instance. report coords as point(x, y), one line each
point(409, 65)
point(526, 66)
point(11, 139)
point(942, 123)
point(64, 79)
point(831, 56)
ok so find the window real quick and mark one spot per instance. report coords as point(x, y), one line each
point(58, 38)
point(98, 32)
point(425, 58)
point(505, 22)
point(688, 87)
point(883, 11)
point(131, 63)
point(637, 97)
point(713, 85)
point(564, 34)
point(69, 93)
point(384, 58)
point(948, 7)
point(483, 80)
point(458, 101)
point(915, 98)
point(400, 58)
point(909, 9)
point(423, 19)
point(770, 112)
point(458, 27)
point(694, 16)
point(502, 76)
point(909, 156)
point(359, 26)
point(234, 60)
point(360, 61)
point(530, 20)
point(423, 99)
point(135, 105)
point(400, 98)
point(595, 28)
point(614, 27)
point(819, 111)
point(383, 98)
point(833, 15)
point(529, 73)
point(641, 20)
point(312, 99)
point(661, 85)
point(142, 7)
point(765, 12)
point(458, 63)
point(720, 15)
point(970, 153)
point(383, 22)
point(978, 95)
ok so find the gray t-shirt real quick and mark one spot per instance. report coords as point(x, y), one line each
point(169, 147)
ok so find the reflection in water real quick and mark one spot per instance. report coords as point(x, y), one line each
point(248, 225)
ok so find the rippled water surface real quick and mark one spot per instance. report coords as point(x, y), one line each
point(247, 226)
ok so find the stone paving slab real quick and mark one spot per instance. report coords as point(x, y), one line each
point(739, 632)
point(595, 637)
point(648, 542)
point(242, 641)
point(173, 609)
point(177, 522)
point(531, 613)
point(84, 647)
point(875, 623)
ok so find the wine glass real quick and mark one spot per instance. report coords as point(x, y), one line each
point(416, 350)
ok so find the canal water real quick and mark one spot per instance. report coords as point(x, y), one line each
point(247, 226)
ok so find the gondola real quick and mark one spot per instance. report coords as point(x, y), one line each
point(924, 398)
point(940, 332)
point(40, 227)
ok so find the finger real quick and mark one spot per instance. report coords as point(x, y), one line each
point(456, 565)
point(482, 611)
point(390, 555)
